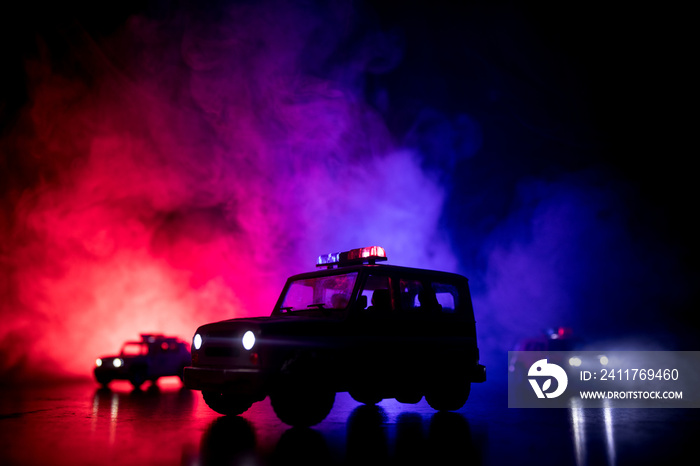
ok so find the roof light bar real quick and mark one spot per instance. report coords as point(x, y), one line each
point(560, 332)
point(369, 255)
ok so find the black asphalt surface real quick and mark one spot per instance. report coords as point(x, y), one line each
point(80, 424)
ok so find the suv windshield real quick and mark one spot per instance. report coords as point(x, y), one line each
point(330, 292)
point(134, 349)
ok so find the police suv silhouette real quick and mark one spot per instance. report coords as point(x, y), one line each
point(153, 357)
point(377, 331)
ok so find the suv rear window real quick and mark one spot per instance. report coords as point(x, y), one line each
point(447, 296)
point(418, 296)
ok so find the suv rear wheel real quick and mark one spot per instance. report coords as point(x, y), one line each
point(449, 396)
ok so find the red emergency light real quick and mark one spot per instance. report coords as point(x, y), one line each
point(367, 255)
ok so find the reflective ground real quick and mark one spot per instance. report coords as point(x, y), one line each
point(76, 424)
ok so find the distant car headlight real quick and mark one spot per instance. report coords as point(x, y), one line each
point(118, 362)
point(248, 340)
point(603, 360)
point(575, 361)
point(197, 341)
point(98, 362)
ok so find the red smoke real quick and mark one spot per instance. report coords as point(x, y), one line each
point(175, 173)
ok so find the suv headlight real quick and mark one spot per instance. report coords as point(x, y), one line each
point(197, 341)
point(248, 340)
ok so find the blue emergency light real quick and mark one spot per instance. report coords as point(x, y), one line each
point(559, 332)
point(367, 255)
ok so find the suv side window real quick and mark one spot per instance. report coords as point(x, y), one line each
point(446, 296)
point(409, 291)
point(377, 292)
point(419, 296)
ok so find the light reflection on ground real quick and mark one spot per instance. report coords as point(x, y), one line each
point(83, 424)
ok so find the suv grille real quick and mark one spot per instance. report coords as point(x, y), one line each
point(221, 351)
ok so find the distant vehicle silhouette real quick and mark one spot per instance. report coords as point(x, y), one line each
point(152, 357)
point(530, 350)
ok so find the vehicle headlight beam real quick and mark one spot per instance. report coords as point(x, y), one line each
point(248, 340)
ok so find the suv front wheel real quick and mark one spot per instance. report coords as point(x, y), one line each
point(137, 376)
point(229, 405)
point(302, 407)
point(103, 380)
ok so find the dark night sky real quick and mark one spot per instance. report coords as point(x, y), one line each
point(558, 132)
point(575, 93)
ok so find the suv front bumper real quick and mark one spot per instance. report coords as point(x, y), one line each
point(240, 381)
